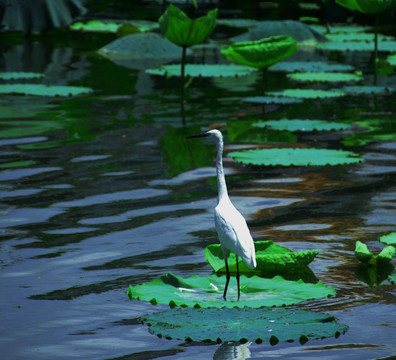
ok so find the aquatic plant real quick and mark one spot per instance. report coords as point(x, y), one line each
point(243, 325)
point(364, 255)
point(178, 28)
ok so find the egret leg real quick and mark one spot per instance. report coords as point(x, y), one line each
point(237, 277)
point(227, 279)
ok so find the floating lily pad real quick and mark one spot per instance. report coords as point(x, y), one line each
point(367, 90)
point(271, 259)
point(308, 93)
point(324, 77)
point(282, 100)
point(20, 75)
point(389, 239)
point(302, 125)
point(364, 255)
point(112, 26)
point(259, 325)
point(295, 157)
point(261, 53)
point(43, 90)
point(312, 66)
point(208, 291)
point(196, 70)
point(386, 46)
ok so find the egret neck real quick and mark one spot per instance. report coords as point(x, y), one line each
point(221, 183)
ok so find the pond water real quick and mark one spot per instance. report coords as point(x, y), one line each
point(102, 191)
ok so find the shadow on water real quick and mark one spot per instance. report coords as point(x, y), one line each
point(101, 191)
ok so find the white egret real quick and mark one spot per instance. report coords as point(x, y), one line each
point(233, 232)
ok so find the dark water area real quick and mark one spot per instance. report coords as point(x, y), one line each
point(102, 191)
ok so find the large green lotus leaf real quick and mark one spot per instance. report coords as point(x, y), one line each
point(261, 53)
point(20, 75)
point(364, 255)
point(271, 259)
point(389, 239)
point(183, 31)
point(312, 66)
point(199, 70)
point(308, 93)
point(208, 291)
point(295, 157)
point(243, 325)
point(324, 77)
point(386, 46)
point(262, 100)
point(367, 6)
point(43, 90)
point(301, 125)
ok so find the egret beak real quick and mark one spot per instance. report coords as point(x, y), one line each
point(197, 136)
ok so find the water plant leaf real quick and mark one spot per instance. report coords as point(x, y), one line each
point(324, 77)
point(367, 6)
point(271, 259)
point(312, 66)
point(261, 53)
point(259, 325)
point(183, 31)
point(43, 90)
point(391, 59)
point(112, 26)
point(389, 239)
point(207, 291)
point(386, 46)
point(20, 75)
point(308, 93)
point(301, 125)
point(367, 90)
point(283, 100)
point(205, 70)
point(363, 254)
point(295, 157)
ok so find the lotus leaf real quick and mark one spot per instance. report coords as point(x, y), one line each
point(43, 90)
point(308, 93)
point(261, 53)
point(357, 36)
point(207, 291)
point(295, 157)
point(367, 6)
point(364, 255)
point(324, 77)
point(301, 125)
point(312, 66)
point(20, 75)
point(183, 31)
point(197, 70)
point(389, 239)
point(283, 100)
point(367, 90)
point(259, 325)
point(392, 59)
point(386, 46)
point(112, 26)
point(271, 259)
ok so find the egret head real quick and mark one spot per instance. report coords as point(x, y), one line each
point(215, 134)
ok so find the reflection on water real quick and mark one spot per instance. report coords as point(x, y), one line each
point(100, 192)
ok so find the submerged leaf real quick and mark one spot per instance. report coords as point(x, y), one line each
point(271, 259)
point(295, 157)
point(208, 291)
point(183, 31)
point(301, 125)
point(261, 53)
point(260, 325)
